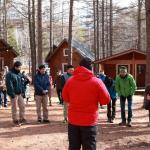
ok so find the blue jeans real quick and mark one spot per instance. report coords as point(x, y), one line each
point(5, 97)
point(122, 104)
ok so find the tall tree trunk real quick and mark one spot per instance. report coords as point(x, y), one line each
point(107, 30)
point(5, 20)
point(147, 5)
point(62, 19)
point(111, 28)
point(0, 19)
point(103, 29)
point(139, 24)
point(70, 32)
point(95, 48)
point(31, 20)
point(51, 33)
point(39, 31)
point(97, 34)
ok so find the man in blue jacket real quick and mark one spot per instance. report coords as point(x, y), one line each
point(15, 90)
point(42, 85)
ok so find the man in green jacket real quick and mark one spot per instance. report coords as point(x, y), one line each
point(15, 90)
point(125, 87)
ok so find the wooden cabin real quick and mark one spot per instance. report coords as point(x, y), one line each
point(58, 60)
point(134, 60)
point(7, 54)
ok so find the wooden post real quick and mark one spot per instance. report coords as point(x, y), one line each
point(133, 66)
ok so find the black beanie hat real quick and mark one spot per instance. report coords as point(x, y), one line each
point(86, 62)
point(17, 64)
point(41, 66)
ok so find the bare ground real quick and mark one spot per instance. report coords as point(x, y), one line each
point(53, 136)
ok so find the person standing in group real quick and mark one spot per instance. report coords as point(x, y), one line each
point(125, 87)
point(58, 84)
point(102, 76)
point(42, 86)
point(83, 92)
point(3, 90)
point(111, 107)
point(65, 77)
point(15, 90)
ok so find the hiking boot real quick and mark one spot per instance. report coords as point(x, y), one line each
point(5, 105)
point(123, 123)
point(110, 120)
point(102, 107)
point(129, 124)
point(65, 120)
point(23, 121)
point(46, 121)
point(39, 120)
point(16, 122)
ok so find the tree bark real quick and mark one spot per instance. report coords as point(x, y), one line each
point(147, 6)
point(5, 20)
point(111, 28)
point(98, 39)
point(31, 20)
point(0, 19)
point(39, 31)
point(139, 24)
point(70, 32)
point(51, 33)
point(103, 29)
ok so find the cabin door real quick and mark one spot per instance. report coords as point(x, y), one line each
point(140, 75)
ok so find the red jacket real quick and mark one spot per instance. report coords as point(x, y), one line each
point(83, 91)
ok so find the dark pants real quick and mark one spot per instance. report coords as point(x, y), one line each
point(5, 97)
point(59, 93)
point(111, 109)
point(122, 103)
point(82, 135)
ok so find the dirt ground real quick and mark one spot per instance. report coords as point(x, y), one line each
point(53, 136)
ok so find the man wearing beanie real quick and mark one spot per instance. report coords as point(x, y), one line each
point(83, 92)
point(42, 86)
point(15, 89)
point(125, 87)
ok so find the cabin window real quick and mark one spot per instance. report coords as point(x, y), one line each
point(66, 50)
point(140, 69)
point(64, 67)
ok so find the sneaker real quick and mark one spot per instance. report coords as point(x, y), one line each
point(123, 123)
point(23, 121)
point(129, 124)
point(46, 121)
point(16, 122)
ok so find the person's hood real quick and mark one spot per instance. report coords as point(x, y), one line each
point(81, 73)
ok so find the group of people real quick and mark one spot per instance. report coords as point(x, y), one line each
point(122, 86)
point(81, 93)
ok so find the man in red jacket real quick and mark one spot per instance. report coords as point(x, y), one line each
point(83, 92)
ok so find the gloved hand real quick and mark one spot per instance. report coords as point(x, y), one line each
point(45, 92)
